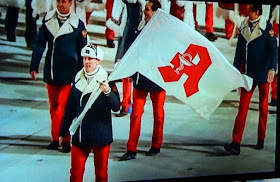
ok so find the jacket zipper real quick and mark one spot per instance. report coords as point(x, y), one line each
point(137, 78)
point(52, 60)
point(246, 58)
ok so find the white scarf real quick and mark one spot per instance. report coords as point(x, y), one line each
point(90, 75)
point(62, 17)
point(254, 23)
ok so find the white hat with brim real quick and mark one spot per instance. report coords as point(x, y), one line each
point(92, 51)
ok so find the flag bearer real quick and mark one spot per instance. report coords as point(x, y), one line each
point(93, 132)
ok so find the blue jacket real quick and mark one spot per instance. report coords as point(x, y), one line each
point(131, 28)
point(256, 53)
point(96, 126)
point(143, 83)
point(63, 59)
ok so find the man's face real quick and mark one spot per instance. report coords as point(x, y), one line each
point(63, 6)
point(90, 64)
point(148, 11)
point(252, 14)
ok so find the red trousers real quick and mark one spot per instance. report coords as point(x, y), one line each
point(126, 101)
point(88, 14)
point(244, 103)
point(274, 88)
point(109, 34)
point(275, 27)
point(273, 92)
point(208, 17)
point(139, 100)
point(58, 96)
point(229, 26)
point(176, 10)
point(79, 156)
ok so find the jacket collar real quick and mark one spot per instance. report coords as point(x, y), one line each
point(67, 27)
point(83, 86)
point(245, 29)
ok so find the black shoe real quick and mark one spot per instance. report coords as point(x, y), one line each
point(233, 148)
point(122, 113)
point(110, 43)
point(129, 155)
point(11, 38)
point(53, 145)
point(259, 145)
point(210, 36)
point(153, 151)
point(66, 148)
point(29, 46)
point(273, 102)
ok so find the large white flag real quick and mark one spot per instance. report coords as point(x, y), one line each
point(182, 62)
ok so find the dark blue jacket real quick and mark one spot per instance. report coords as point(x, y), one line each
point(131, 28)
point(97, 124)
point(63, 59)
point(131, 31)
point(256, 53)
point(143, 83)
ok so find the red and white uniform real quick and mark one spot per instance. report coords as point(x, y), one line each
point(143, 86)
point(275, 26)
point(109, 34)
point(208, 17)
point(183, 10)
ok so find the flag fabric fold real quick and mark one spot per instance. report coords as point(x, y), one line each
point(183, 62)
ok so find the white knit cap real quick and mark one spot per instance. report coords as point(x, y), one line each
point(93, 51)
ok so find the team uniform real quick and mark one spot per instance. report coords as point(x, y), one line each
point(143, 86)
point(109, 33)
point(256, 53)
point(62, 62)
point(94, 134)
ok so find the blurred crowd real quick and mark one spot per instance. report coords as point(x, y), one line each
point(71, 68)
point(232, 13)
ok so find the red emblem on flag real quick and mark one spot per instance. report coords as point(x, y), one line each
point(194, 62)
